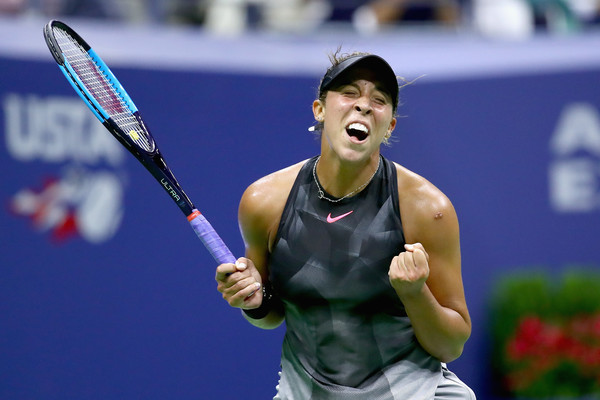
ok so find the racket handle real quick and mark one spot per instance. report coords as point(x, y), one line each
point(210, 238)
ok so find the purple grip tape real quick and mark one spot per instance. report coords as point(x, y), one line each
point(211, 240)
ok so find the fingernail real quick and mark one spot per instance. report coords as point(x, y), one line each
point(240, 266)
point(257, 285)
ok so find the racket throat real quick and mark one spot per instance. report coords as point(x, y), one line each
point(172, 192)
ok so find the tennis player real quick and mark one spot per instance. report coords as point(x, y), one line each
point(359, 256)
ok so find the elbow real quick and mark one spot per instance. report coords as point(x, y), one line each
point(451, 354)
point(453, 350)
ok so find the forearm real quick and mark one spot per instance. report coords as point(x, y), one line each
point(442, 331)
point(271, 321)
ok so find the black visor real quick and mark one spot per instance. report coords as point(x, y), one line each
point(384, 72)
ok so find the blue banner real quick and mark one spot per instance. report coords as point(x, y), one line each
point(107, 293)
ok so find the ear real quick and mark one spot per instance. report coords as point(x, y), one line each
point(318, 110)
point(391, 127)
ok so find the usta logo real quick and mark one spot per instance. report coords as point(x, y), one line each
point(83, 196)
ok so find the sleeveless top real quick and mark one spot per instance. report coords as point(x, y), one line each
point(347, 333)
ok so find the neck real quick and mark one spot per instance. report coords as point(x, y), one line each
point(341, 179)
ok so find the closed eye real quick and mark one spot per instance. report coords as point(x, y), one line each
point(380, 100)
point(350, 93)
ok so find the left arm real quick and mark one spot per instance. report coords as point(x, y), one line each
point(427, 276)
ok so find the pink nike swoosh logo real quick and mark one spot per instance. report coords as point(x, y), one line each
point(331, 219)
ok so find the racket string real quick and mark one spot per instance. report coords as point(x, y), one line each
point(103, 89)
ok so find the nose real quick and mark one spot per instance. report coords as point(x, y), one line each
point(363, 106)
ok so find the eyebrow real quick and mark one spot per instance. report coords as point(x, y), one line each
point(378, 87)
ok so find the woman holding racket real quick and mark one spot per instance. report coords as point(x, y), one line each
point(359, 255)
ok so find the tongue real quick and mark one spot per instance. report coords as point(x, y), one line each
point(360, 135)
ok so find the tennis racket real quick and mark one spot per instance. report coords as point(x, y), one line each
point(103, 94)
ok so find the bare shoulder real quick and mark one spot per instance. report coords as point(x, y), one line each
point(271, 189)
point(424, 208)
point(263, 202)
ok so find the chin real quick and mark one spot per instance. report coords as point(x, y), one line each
point(354, 156)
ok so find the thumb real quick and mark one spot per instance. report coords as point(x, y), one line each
point(421, 258)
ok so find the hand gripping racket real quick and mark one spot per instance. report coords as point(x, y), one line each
point(101, 91)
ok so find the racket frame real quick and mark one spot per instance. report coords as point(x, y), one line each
point(153, 161)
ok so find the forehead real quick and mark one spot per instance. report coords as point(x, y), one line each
point(361, 73)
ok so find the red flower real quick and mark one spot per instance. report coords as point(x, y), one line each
point(538, 347)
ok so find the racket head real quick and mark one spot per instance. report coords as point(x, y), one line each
point(101, 91)
point(98, 87)
point(104, 95)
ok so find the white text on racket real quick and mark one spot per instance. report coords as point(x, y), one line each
point(170, 189)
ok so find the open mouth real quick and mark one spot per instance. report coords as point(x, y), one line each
point(358, 131)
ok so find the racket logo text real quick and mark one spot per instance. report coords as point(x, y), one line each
point(170, 189)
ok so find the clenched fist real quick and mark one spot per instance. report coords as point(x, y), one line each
point(409, 270)
point(239, 284)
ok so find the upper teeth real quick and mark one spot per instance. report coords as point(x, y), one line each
point(358, 127)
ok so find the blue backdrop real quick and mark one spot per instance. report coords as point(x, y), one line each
point(105, 292)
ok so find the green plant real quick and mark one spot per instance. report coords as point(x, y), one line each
point(546, 334)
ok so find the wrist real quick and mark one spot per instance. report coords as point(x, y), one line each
point(413, 295)
point(265, 307)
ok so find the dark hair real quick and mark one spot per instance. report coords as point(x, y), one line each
point(336, 58)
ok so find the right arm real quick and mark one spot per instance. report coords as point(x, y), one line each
point(256, 224)
point(260, 210)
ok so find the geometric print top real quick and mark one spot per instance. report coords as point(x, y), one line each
point(347, 333)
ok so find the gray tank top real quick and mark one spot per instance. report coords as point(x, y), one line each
point(347, 333)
